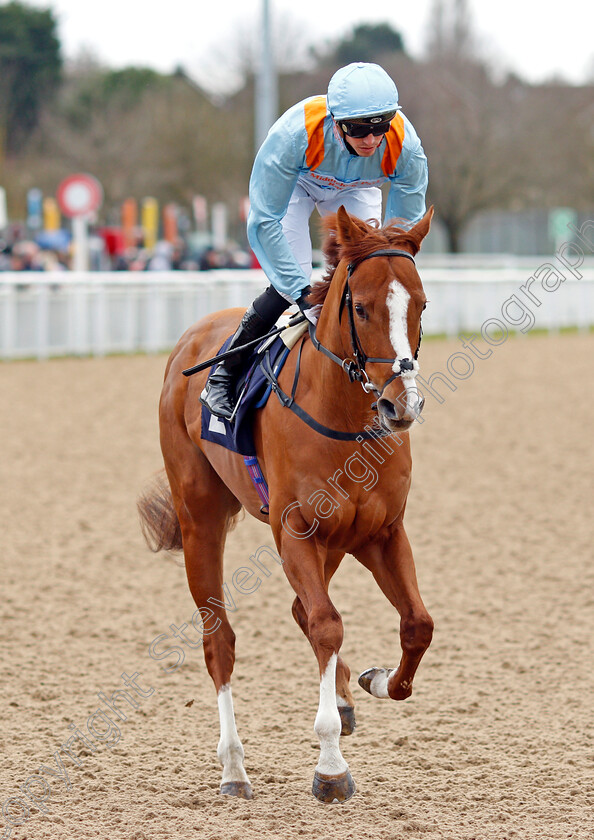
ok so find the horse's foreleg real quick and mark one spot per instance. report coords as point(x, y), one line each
point(303, 566)
point(392, 565)
point(344, 697)
point(332, 779)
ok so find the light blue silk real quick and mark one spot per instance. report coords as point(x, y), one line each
point(282, 159)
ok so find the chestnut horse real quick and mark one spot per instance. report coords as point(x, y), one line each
point(337, 483)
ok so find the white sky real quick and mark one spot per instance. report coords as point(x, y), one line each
point(535, 41)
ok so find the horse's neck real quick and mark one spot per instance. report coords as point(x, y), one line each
point(328, 327)
point(326, 383)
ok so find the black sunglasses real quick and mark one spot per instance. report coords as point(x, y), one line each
point(354, 129)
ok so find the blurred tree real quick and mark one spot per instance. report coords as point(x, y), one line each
point(229, 67)
point(450, 31)
point(95, 89)
point(140, 133)
point(472, 134)
point(470, 127)
point(558, 143)
point(367, 42)
point(30, 70)
point(494, 145)
point(490, 144)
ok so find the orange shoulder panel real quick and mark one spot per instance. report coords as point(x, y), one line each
point(394, 141)
point(315, 114)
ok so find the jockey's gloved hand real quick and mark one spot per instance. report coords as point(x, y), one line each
point(302, 301)
point(312, 313)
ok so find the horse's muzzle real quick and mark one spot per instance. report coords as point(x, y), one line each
point(399, 416)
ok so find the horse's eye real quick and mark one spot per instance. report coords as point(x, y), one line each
point(424, 306)
point(360, 310)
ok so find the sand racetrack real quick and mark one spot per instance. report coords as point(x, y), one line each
point(496, 741)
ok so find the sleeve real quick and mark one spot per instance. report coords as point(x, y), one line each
point(272, 182)
point(408, 185)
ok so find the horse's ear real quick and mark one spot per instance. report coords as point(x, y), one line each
point(421, 229)
point(347, 229)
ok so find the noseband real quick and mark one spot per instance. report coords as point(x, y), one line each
point(355, 367)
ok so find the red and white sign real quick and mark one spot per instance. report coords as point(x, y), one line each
point(79, 195)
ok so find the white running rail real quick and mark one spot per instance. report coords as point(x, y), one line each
point(98, 313)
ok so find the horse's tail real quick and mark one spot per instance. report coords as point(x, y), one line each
point(158, 519)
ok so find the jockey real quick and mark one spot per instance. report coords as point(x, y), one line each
point(323, 152)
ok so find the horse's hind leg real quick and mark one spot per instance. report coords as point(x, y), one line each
point(205, 509)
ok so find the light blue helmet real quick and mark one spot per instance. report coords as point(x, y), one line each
point(361, 90)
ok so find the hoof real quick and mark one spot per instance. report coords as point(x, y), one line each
point(243, 790)
point(347, 718)
point(330, 789)
point(381, 683)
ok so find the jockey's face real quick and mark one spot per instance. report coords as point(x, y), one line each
point(364, 146)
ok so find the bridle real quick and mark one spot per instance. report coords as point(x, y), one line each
point(355, 367)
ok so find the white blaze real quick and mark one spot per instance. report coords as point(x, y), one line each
point(397, 301)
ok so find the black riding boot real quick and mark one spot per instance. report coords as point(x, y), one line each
point(219, 394)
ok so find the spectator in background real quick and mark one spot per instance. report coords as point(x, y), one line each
point(210, 259)
point(4, 256)
point(161, 260)
point(25, 257)
point(52, 261)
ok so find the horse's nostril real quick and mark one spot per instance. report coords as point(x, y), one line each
point(391, 411)
point(387, 408)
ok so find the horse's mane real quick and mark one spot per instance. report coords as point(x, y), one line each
point(372, 238)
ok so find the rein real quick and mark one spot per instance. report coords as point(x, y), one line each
point(288, 401)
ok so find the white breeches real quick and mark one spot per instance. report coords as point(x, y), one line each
point(363, 202)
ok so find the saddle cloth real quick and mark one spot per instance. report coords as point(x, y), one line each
point(254, 390)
